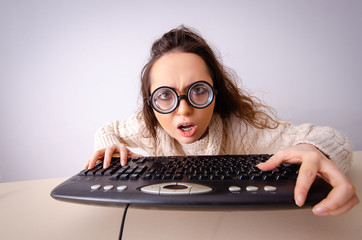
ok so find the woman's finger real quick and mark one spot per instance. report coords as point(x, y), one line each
point(123, 154)
point(307, 174)
point(285, 155)
point(96, 157)
point(340, 200)
point(108, 155)
point(87, 164)
point(343, 196)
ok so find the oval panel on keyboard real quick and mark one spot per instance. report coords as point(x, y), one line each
point(175, 188)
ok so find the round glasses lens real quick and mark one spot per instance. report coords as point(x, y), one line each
point(164, 99)
point(200, 95)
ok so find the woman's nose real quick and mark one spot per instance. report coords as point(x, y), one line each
point(184, 108)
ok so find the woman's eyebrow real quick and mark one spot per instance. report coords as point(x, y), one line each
point(181, 90)
point(184, 90)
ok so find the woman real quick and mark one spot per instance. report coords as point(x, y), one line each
point(192, 106)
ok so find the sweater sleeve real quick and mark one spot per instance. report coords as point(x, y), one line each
point(243, 138)
point(131, 132)
point(331, 142)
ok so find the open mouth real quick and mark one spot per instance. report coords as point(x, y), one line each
point(187, 129)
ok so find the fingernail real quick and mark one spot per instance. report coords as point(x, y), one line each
point(320, 211)
point(259, 165)
point(299, 200)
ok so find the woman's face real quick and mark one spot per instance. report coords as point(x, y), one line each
point(178, 70)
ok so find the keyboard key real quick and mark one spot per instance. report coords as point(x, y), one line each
point(255, 177)
point(252, 188)
point(177, 177)
point(83, 172)
point(147, 177)
point(194, 177)
point(167, 176)
point(107, 172)
point(268, 177)
point(270, 188)
point(280, 177)
point(121, 188)
point(108, 187)
point(141, 161)
point(216, 177)
point(134, 176)
point(93, 171)
point(234, 189)
point(180, 170)
point(244, 177)
point(114, 177)
point(124, 177)
point(96, 187)
point(122, 170)
point(228, 177)
point(141, 170)
point(205, 177)
point(157, 177)
point(131, 170)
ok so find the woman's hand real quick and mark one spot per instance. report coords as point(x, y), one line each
point(106, 155)
point(313, 162)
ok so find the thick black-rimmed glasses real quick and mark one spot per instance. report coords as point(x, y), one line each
point(165, 99)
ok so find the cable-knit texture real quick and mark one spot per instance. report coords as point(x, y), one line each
point(228, 136)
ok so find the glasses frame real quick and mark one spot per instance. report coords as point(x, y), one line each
point(180, 97)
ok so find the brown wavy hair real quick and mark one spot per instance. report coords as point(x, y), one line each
point(230, 98)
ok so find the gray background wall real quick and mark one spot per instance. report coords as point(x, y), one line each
point(67, 67)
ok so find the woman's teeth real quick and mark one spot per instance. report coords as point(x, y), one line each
point(186, 127)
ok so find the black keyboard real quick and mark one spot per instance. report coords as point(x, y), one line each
point(223, 180)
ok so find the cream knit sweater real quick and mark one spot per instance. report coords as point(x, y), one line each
point(228, 136)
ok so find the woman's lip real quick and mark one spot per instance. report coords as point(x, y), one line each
point(187, 129)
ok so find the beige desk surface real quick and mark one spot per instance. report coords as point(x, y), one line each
point(28, 212)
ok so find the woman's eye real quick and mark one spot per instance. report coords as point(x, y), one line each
point(165, 96)
point(199, 90)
